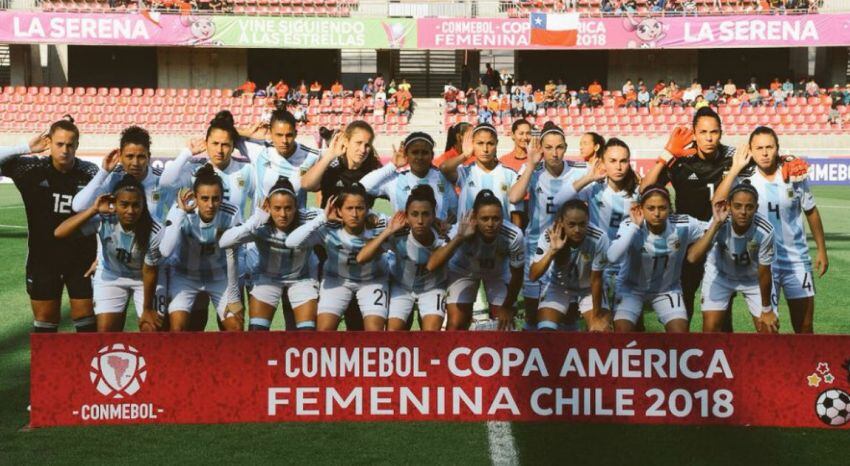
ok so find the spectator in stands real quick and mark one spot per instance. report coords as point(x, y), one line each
point(658, 5)
point(847, 94)
point(700, 102)
point(298, 113)
point(629, 6)
point(561, 88)
point(775, 84)
point(336, 89)
point(504, 108)
point(248, 87)
point(583, 98)
point(403, 101)
point(539, 99)
point(779, 96)
point(368, 89)
point(404, 86)
point(711, 96)
point(563, 100)
point(800, 88)
point(491, 78)
point(392, 88)
point(754, 96)
point(379, 81)
point(659, 86)
point(788, 87)
point(729, 90)
point(595, 91)
point(834, 115)
point(837, 95)
point(677, 94)
point(607, 6)
point(315, 90)
point(628, 87)
point(689, 96)
point(643, 97)
point(358, 105)
point(449, 88)
point(507, 80)
point(752, 85)
point(281, 90)
point(302, 90)
point(380, 101)
point(529, 108)
point(516, 104)
point(812, 89)
point(483, 88)
point(485, 115)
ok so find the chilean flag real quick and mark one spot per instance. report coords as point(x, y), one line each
point(554, 29)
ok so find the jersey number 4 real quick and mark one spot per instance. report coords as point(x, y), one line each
point(62, 203)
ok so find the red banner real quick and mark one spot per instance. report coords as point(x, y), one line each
point(788, 381)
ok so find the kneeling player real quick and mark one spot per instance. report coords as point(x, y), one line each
point(412, 239)
point(739, 261)
point(202, 266)
point(342, 230)
point(279, 268)
point(128, 243)
point(652, 246)
point(483, 248)
point(573, 253)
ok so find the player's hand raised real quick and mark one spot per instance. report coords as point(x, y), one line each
point(681, 143)
point(535, 152)
point(597, 171)
point(331, 212)
point(636, 214)
point(720, 211)
point(794, 170)
point(105, 204)
point(186, 200)
point(399, 157)
point(742, 157)
point(398, 222)
point(111, 160)
point(39, 143)
point(467, 147)
point(467, 227)
point(557, 237)
point(197, 146)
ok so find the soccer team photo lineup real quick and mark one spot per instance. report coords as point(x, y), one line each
point(622, 218)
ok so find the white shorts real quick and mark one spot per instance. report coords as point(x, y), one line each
point(431, 302)
point(533, 289)
point(796, 284)
point(559, 298)
point(162, 295)
point(717, 291)
point(336, 294)
point(298, 292)
point(111, 296)
point(464, 290)
point(185, 290)
point(668, 306)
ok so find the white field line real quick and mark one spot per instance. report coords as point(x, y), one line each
point(502, 444)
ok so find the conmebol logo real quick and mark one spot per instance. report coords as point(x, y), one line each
point(118, 371)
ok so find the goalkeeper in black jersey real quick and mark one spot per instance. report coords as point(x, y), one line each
point(47, 186)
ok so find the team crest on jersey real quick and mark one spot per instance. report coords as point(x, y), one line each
point(441, 187)
point(155, 195)
point(504, 187)
point(240, 181)
point(790, 193)
point(585, 256)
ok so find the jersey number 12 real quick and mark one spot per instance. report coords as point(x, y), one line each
point(62, 203)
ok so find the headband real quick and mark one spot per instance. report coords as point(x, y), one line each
point(554, 130)
point(651, 191)
point(423, 137)
point(744, 187)
point(485, 127)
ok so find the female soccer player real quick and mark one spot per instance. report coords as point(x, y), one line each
point(341, 229)
point(412, 239)
point(483, 248)
point(131, 158)
point(279, 268)
point(540, 183)
point(740, 254)
point(485, 173)
point(454, 144)
point(590, 147)
point(652, 246)
point(573, 253)
point(783, 203)
point(516, 159)
point(418, 151)
point(201, 266)
point(47, 186)
point(128, 243)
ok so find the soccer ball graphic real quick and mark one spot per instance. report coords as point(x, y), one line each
point(833, 407)
point(118, 371)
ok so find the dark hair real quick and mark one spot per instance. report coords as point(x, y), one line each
point(423, 193)
point(67, 124)
point(283, 186)
point(454, 131)
point(652, 190)
point(707, 112)
point(516, 124)
point(486, 197)
point(136, 135)
point(418, 136)
point(144, 226)
point(551, 128)
point(283, 116)
point(206, 176)
point(326, 134)
point(223, 120)
point(764, 130)
point(354, 189)
point(359, 124)
point(574, 204)
point(485, 127)
point(632, 182)
point(598, 140)
point(744, 187)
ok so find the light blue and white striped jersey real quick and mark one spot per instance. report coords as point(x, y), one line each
point(541, 209)
point(159, 198)
point(275, 260)
point(396, 186)
point(117, 255)
point(341, 247)
point(411, 257)
point(653, 263)
point(199, 256)
point(471, 179)
point(737, 257)
point(571, 266)
point(783, 204)
point(268, 166)
point(608, 208)
point(479, 259)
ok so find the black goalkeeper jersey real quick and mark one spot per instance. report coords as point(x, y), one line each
point(47, 195)
point(695, 180)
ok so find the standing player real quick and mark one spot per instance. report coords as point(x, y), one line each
point(279, 269)
point(573, 253)
point(201, 266)
point(48, 186)
point(412, 239)
point(128, 244)
point(590, 147)
point(740, 255)
point(131, 158)
point(783, 201)
point(483, 249)
point(417, 150)
point(521, 134)
point(652, 246)
point(342, 231)
point(454, 145)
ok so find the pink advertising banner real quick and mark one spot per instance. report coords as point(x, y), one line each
point(645, 32)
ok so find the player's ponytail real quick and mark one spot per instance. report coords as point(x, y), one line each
point(144, 226)
point(66, 124)
point(484, 198)
point(551, 128)
point(206, 176)
point(630, 181)
point(574, 204)
point(354, 189)
point(422, 193)
point(598, 142)
point(223, 121)
point(455, 133)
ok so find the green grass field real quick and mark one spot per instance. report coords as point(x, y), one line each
point(399, 443)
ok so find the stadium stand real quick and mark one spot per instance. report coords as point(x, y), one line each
point(522, 8)
point(243, 7)
point(179, 111)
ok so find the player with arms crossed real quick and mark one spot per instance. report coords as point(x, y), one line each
point(783, 199)
point(573, 253)
point(342, 230)
point(652, 246)
point(412, 239)
point(280, 269)
point(128, 254)
point(482, 248)
point(193, 230)
point(48, 186)
point(740, 255)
